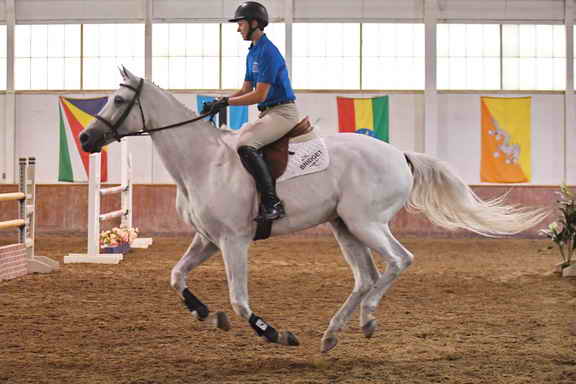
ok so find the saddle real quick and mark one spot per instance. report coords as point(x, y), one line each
point(276, 157)
point(276, 153)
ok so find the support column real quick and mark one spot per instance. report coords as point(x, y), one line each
point(569, 107)
point(148, 13)
point(430, 92)
point(289, 20)
point(8, 130)
point(148, 39)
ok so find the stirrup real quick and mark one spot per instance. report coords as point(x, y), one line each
point(272, 213)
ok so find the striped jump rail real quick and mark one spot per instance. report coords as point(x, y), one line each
point(20, 259)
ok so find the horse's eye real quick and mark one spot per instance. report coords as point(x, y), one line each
point(118, 100)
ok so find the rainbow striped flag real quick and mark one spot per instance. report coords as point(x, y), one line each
point(366, 116)
point(75, 115)
point(506, 139)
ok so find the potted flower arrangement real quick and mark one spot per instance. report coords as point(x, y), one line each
point(117, 240)
point(563, 231)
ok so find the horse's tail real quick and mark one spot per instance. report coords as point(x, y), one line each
point(448, 202)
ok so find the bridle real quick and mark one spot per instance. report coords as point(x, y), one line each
point(142, 132)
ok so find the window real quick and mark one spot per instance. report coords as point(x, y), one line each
point(108, 46)
point(47, 56)
point(468, 56)
point(326, 56)
point(393, 56)
point(186, 55)
point(234, 51)
point(534, 57)
point(348, 56)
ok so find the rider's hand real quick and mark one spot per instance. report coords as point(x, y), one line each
point(213, 107)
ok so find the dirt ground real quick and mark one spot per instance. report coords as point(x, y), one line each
point(467, 311)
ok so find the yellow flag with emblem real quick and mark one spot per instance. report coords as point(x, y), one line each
point(506, 140)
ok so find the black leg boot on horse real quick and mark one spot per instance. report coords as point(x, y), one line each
point(271, 205)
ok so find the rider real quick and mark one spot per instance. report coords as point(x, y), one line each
point(267, 84)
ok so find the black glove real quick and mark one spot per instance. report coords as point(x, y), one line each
point(215, 106)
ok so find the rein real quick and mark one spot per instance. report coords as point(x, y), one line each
point(143, 132)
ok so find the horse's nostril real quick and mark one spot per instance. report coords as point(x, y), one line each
point(84, 138)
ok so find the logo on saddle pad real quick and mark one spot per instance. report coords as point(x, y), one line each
point(311, 161)
point(306, 157)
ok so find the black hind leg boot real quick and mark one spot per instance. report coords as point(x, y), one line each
point(253, 161)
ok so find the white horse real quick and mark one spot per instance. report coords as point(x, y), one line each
point(367, 182)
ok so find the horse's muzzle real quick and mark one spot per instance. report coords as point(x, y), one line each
point(89, 143)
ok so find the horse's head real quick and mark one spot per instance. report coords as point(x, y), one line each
point(119, 116)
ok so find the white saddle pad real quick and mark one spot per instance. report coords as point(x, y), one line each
point(308, 157)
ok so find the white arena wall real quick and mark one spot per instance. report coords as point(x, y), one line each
point(37, 125)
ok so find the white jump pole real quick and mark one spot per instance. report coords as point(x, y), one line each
point(127, 189)
point(126, 181)
point(127, 198)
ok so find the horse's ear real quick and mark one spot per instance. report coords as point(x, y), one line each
point(127, 74)
point(123, 73)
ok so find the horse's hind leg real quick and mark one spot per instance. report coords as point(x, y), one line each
point(365, 273)
point(198, 252)
point(380, 239)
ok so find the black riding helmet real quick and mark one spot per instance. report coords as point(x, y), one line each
point(251, 10)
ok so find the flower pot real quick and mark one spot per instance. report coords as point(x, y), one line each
point(122, 248)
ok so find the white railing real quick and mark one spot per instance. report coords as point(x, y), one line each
point(95, 217)
point(26, 221)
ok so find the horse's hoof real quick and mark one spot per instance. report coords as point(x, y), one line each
point(328, 343)
point(369, 328)
point(288, 338)
point(222, 321)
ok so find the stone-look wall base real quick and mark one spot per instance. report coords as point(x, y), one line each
point(13, 261)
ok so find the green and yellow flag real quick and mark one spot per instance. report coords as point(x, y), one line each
point(366, 116)
point(506, 140)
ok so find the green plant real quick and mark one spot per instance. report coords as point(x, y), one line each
point(563, 231)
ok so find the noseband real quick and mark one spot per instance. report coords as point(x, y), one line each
point(142, 132)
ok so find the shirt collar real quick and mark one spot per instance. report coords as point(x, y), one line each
point(262, 39)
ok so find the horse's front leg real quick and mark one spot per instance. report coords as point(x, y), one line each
point(235, 253)
point(198, 252)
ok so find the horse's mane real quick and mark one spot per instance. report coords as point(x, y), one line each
point(224, 129)
point(173, 98)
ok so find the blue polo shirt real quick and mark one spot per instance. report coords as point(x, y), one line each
point(265, 64)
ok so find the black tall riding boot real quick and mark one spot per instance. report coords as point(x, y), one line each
point(253, 161)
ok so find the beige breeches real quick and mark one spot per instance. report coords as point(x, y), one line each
point(271, 125)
